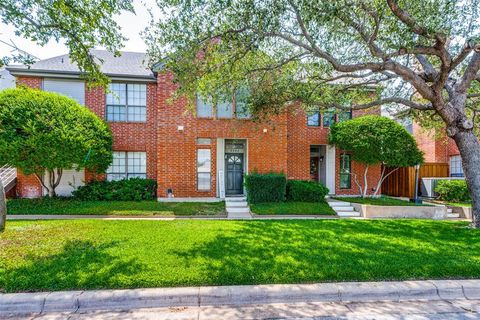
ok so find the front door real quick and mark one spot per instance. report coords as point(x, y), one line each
point(234, 177)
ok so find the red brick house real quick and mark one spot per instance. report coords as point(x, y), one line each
point(192, 155)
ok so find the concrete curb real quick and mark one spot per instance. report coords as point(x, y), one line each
point(72, 301)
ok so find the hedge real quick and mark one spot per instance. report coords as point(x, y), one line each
point(453, 190)
point(306, 191)
point(124, 190)
point(270, 187)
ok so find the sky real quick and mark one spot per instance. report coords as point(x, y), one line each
point(131, 25)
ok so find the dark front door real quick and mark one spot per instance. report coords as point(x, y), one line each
point(234, 169)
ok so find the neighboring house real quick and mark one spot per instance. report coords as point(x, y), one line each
point(203, 155)
point(438, 149)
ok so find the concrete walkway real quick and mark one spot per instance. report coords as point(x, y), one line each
point(459, 297)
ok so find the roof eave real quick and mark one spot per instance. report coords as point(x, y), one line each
point(75, 74)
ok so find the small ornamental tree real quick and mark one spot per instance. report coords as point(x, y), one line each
point(376, 140)
point(43, 133)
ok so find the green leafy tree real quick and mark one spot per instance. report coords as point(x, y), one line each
point(376, 140)
point(82, 24)
point(424, 54)
point(43, 133)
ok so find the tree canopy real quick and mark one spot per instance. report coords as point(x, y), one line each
point(44, 132)
point(376, 140)
point(82, 24)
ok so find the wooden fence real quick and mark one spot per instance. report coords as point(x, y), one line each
point(401, 183)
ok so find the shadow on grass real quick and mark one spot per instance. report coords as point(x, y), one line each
point(309, 251)
point(80, 264)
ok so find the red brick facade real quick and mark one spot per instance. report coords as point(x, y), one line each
point(169, 138)
point(437, 148)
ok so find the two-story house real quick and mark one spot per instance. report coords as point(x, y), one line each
point(202, 154)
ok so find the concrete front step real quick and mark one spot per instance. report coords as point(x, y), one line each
point(453, 215)
point(348, 214)
point(338, 204)
point(237, 204)
point(343, 208)
point(238, 210)
point(235, 199)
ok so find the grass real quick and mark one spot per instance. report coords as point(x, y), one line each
point(70, 206)
point(379, 201)
point(460, 204)
point(292, 207)
point(90, 254)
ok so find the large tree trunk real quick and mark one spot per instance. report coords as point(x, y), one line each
point(469, 148)
point(3, 208)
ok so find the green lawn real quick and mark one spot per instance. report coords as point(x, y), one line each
point(379, 201)
point(69, 206)
point(460, 204)
point(89, 254)
point(292, 207)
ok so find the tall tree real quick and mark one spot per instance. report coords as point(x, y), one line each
point(425, 54)
point(82, 24)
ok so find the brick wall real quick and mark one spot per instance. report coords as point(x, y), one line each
point(177, 150)
point(130, 136)
point(301, 137)
point(436, 148)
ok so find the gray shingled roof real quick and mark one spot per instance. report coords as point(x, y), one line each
point(128, 64)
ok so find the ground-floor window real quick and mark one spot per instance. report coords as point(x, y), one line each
point(345, 171)
point(204, 167)
point(456, 169)
point(127, 165)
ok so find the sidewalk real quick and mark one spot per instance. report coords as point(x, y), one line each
point(467, 291)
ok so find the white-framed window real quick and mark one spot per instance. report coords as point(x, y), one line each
point(204, 165)
point(127, 102)
point(456, 169)
point(127, 165)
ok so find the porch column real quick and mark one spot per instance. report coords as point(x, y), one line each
point(330, 168)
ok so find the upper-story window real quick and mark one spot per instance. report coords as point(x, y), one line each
point(313, 119)
point(456, 169)
point(226, 109)
point(329, 118)
point(127, 102)
point(344, 115)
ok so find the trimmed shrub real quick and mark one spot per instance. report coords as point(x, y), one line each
point(123, 190)
point(306, 191)
point(453, 190)
point(270, 187)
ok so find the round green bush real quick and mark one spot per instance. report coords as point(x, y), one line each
point(453, 190)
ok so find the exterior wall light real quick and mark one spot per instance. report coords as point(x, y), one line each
point(181, 128)
point(265, 130)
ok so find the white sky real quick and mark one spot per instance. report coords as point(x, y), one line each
point(131, 25)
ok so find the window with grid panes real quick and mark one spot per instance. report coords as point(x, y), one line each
point(127, 102)
point(127, 165)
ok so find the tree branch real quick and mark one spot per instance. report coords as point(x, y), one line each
point(384, 101)
point(470, 74)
